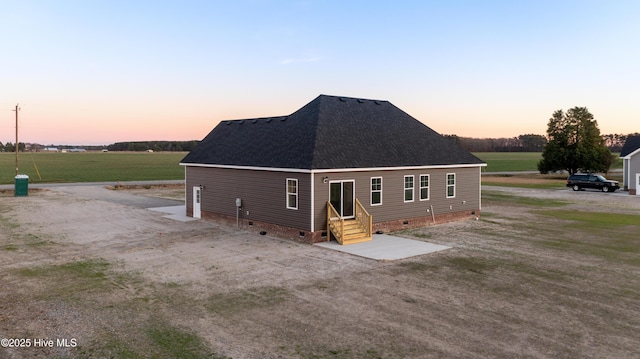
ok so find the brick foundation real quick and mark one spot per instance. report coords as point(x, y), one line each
point(275, 230)
point(305, 236)
point(408, 223)
point(632, 191)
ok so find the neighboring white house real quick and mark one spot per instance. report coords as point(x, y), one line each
point(51, 149)
point(630, 155)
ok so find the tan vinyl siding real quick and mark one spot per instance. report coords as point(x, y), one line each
point(263, 194)
point(394, 207)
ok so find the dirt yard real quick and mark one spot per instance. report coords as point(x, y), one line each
point(542, 274)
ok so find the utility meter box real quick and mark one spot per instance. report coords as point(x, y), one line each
point(22, 186)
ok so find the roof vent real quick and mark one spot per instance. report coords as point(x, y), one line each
point(254, 121)
point(284, 118)
point(227, 123)
point(360, 100)
point(376, 102)
point(269, 120)
point(342, 99)
point(240, 122)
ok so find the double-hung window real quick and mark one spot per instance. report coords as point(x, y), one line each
point(376, 191)
point(424, 187)
point(292, 193)
point(408, 188)
point(451, 185)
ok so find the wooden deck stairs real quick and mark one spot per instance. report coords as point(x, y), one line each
point(354, 233)
point(350, 231)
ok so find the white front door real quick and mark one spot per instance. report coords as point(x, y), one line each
point(196, 201)
point(637, 184)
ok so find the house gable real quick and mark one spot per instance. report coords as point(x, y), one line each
point(631, 147)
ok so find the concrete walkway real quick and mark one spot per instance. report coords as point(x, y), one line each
point(177, 213)
point(385, 247)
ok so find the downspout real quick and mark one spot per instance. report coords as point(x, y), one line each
point(186, 199)
point(313, 201)
point(627, 162)
point(480, 188)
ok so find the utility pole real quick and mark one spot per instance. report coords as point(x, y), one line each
point(16, 110)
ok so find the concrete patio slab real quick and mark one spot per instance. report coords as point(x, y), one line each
point(177, 213)
point(385, 247)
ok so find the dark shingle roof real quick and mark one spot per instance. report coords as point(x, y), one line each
point(631, 144)
point(330, 132)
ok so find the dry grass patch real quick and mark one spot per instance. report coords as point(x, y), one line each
point(11, 192)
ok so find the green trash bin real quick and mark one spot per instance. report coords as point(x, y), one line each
point(22, 186)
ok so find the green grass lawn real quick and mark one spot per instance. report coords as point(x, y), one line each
point(510, 161)
point(519, 161)
point(92, 166)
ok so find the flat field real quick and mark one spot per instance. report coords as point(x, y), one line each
point(542, 274)
point(141, 166)
point(510, 161)
point(518, 161)
point(92, 166)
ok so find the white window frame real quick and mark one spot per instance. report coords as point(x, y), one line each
point(412, 188)
point(451, 185)
point(428, 187)
point(374, 191)
point(289, 194)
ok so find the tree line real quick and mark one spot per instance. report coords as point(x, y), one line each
point(525, 143)
point(177, 146)
point(10, 147)
point(522, 143)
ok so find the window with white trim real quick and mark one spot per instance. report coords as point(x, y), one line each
point(408, 188)
point(424, 187)
point(451, 185)
point(376, 191)
point(292, 193)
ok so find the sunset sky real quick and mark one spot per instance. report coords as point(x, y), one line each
point(98, 72)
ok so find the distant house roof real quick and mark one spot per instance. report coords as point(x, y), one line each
point(330, 132)
point(631, 145)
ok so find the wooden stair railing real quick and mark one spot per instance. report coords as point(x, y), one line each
point(364, 219)
point(335, 223)
point(349, 231)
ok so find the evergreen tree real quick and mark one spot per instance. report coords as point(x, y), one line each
point(574, 144)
